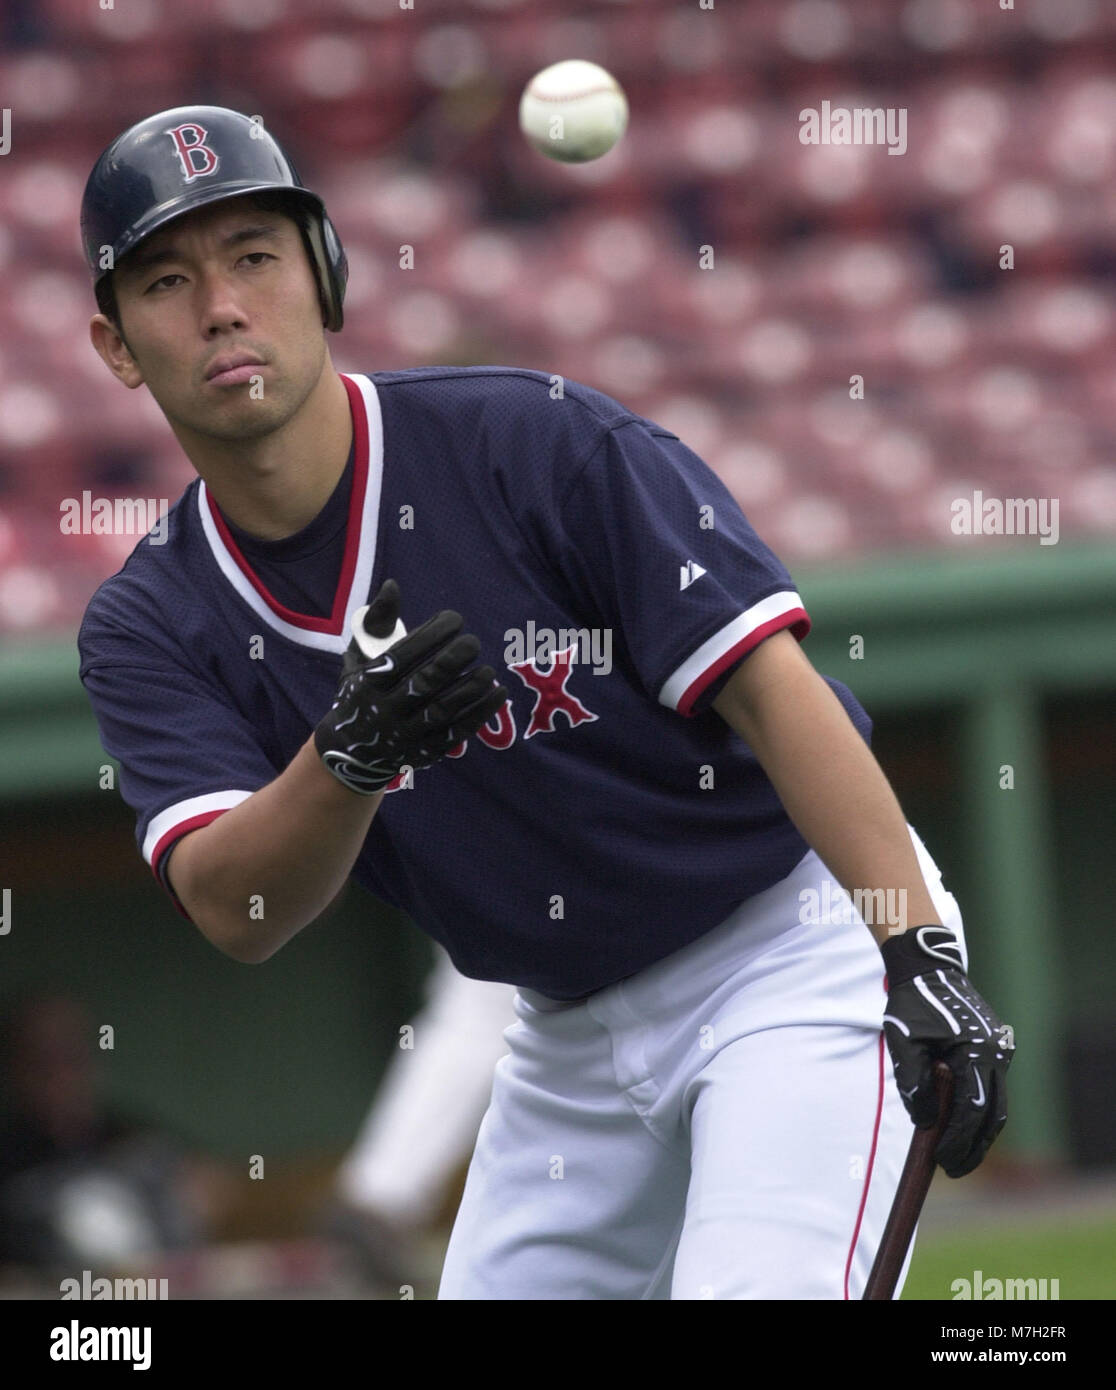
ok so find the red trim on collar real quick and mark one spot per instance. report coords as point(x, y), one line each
point(335, 623)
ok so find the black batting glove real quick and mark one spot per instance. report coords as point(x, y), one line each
point(403, 702)
point(934, 1012)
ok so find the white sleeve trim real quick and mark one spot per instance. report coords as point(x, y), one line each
point(182, 811)
point(733, 634)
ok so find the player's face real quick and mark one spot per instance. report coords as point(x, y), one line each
point(227, 282)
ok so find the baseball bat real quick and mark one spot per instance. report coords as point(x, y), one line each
point(909, 1195)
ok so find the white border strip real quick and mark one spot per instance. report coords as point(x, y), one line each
point(366, 543)
point(774, 606)
point(187, 810)
point(359, 594)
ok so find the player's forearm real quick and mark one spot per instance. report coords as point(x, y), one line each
point(835, 793)
point(261, 872)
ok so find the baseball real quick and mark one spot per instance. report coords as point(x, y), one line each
point(573, 111)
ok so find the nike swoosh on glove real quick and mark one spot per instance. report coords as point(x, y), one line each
point(934, 1012)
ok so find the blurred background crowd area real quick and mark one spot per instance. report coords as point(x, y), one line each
point(828, 261)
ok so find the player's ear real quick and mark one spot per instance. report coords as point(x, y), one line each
point(113, 351)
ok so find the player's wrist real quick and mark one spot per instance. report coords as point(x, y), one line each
point(348, 763)
point(321, 786)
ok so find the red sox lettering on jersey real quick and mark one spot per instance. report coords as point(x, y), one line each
point(551, 698)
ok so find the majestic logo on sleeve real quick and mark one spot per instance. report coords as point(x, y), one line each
point(195, 156)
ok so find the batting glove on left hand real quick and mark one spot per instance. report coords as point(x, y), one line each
point(934, 1012)
point(409, 705)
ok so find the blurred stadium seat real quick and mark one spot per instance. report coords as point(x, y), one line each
point(829, 261)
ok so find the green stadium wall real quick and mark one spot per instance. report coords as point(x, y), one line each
point(970, 662)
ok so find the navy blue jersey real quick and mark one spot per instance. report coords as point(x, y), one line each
point(607, 816)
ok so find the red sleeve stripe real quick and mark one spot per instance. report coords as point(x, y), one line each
point(734, 640)
point(167, 843)
point(194, 823)
point(186, 815)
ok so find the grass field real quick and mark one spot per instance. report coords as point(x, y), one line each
point(1080, 1252)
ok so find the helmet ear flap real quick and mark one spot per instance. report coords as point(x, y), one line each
point(106, 298)
point(331, 265)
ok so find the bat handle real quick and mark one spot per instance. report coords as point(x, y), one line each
point(943, 1089)
point(914, 1183)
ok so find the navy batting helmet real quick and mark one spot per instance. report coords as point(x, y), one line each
point(179, 160)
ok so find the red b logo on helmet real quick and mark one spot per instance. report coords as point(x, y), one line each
point(196, 157)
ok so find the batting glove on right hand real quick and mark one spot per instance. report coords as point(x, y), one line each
point(934, 1012)
point(408, 705)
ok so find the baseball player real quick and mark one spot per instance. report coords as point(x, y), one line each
point(658, 821)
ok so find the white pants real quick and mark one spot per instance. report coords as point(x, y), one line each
point(725, 1124)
